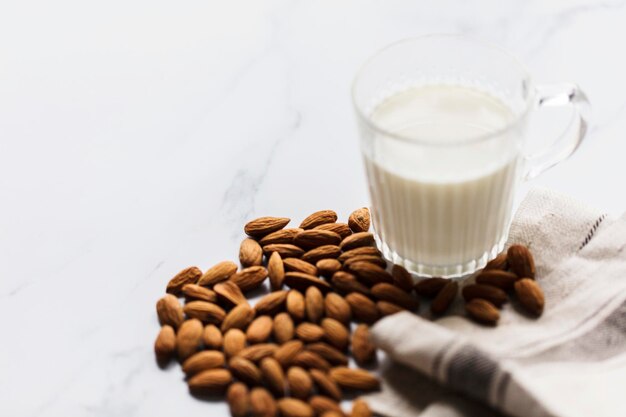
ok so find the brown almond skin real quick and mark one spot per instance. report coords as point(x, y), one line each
point(286, 353)
point(205, 312)
point(336, 307)
point(262, 403)
point(309, 360)
point(530, 296)
point(373, 259)
point(264, 225)
point(342, 229)
point(245, 370)
point(212, 337)
point(359, 220)
point(238, 398)
point(363, 349)
point(249, 278)
point(335, 333)
point(273, 375)
point(386, 308)
point(201, 361)
point(298, 265)
point(482, 311)
point(238, 318)
point(346, 282)
point(309, 332)
point(360, 409)
point(301, 281)
point(165, 344)
point(280, 236)
point(402, 278)
point(444, 299)
point(293, 407)
point(492, 294)
point(370, 274)
point(321, 404)
point(328, 352)
point(170, 311)
point(186, 276)
point(354, 378)
point(259, 351)
point(300, 382)
point(194, 292)
point(430, 287)
point(217, 273)
point(363, 309)
point(272, 303)
point(260, 329)
point(321, 252)
point(210, 381)
point(393, 294)
point(318, 218)
point(188, 338)
point(314, 304)
point(497, 278)
point(229, 294)
point(250, 253)
point(283, 328)
point(325, 384)
point(276, 271)
point(234, 342)
point(313, 238)
point(295, 305)
point(521, 261)
point(327, 267)
point(357, 240)
point(286, 250)
point(499, 262)
point(365, 250)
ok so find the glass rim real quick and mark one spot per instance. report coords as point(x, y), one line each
point(418, 140)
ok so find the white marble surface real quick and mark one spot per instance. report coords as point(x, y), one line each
point(136, 137)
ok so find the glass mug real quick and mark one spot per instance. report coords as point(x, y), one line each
point(442, 121)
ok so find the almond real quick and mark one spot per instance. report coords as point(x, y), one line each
point(365, 250)
point(217, 273)
point(321, 252)
point(313, 238)
point(169, 311)
point(346, 282)
point(492, 294)
point(497, 278)
point(357, 240)
point(335, 333)
point(234, 342)
point(264, 226)
point(359, 220)
point(363, 309)
point(201, 361)
point(327, 267)
point(373, 259)
point(360, 409)
point(286, 250)
point(188, 338)
point(530, 295)
point(402, 278)
point(309, 332)
point(337, 308)
point(165, 344)
point(276, 271)
point(342, 229)
point(499, 262)
point(249, 278)
point(332, 414)
point(393, 294)
point(298, 265)
point(272, 303)
point(186, 276)
point(286, 353)
point(250, 253)
point(205, 312)
point(210, 381)
point(196, 292)
point(212, 337)
point(521, 261)
point(363, 349)
point(280, 236)
point(273, 375)
point(301, 281)
point(308, 359)
point(295, 305)
point(229, 293)
point(260, 329)
point(386, 308)
point(430, 287)
point(326, 351)
point(238, 398)
point(238, 318)
point(283, 328)
point(445, 297)
point(325, 384)
point(262, 403)
point(300, 382)
point(482, 311)
point(314, 304)
point(317, 218)
point(245, 370)
point(321, 404)
point(370, 274)
point(292, 407)
point(259, 351)
point(356, 379)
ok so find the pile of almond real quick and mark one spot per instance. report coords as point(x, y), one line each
point(288, 354)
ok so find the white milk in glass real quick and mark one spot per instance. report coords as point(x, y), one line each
point(442, 193)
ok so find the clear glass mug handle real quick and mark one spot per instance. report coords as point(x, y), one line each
point(560, 95)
